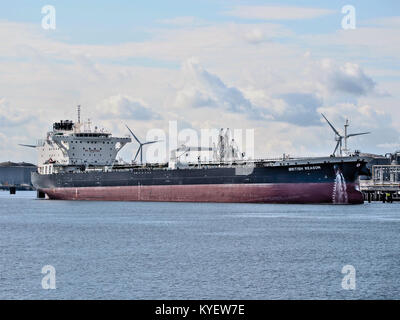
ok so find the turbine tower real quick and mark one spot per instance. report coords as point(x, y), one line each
point(339, 138)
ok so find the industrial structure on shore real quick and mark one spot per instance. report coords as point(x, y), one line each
point(16, 176)
point(384, 183)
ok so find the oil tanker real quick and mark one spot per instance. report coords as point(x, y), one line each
point(78, 163)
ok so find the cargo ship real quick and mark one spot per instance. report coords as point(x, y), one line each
point(78, 163)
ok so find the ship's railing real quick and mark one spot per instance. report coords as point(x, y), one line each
point(199, 164)
point(244, 162)
point(252, 161)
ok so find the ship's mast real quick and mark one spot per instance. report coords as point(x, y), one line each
point(346, 137)
point(78, 124)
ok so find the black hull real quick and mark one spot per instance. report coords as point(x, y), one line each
point(224, 181)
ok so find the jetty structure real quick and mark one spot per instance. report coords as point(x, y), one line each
point(384, 182)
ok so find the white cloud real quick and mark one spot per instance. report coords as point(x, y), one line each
point(364, 42)
point(277, 12)
point(255, 35)
point(300, 108)
point(390, 146)
point(125, 107)
point(383, 22)
point(348, 78)
point(364, 115)
point(10, 117)
point(186, 21)
point(204, 89)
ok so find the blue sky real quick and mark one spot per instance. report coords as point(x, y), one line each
point(204, 64)
point(106, 22)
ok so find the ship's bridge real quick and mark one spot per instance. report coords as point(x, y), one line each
point(77, 144)
point(90, 148)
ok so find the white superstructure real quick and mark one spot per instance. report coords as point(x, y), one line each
point(76, 144)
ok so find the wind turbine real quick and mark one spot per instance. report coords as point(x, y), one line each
point(141, 144)
point(339, 138)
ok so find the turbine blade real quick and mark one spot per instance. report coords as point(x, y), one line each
point(134, 159)
point(149, 142)
point(337, 146)
point(27, 145)
point(133, 135)
point(357, 134)
point(330, 124)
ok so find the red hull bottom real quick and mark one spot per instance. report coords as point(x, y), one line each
point(239, 193)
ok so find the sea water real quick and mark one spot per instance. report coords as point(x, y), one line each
point(144, 250)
